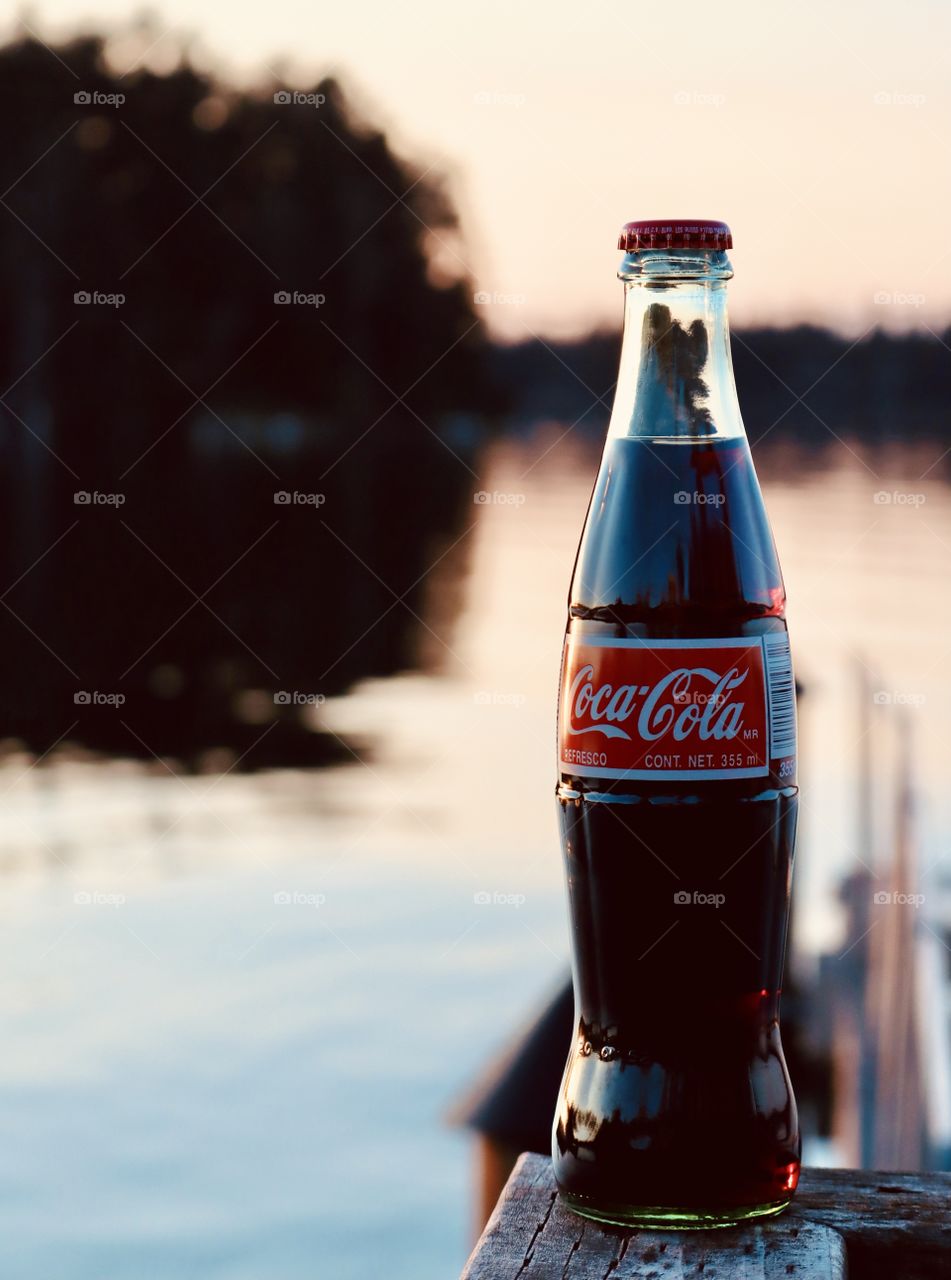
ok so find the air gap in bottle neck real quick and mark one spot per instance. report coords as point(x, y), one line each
point(676, 371)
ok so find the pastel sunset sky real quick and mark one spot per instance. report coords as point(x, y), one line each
point(819, 132)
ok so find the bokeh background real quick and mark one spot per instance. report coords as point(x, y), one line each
point(308, 336)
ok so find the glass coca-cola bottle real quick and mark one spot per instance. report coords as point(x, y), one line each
point(677, 788)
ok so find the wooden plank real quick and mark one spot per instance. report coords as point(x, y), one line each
point(530, 1236)
point(894, 1227)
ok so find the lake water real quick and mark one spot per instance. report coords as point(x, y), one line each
point(236, 1009)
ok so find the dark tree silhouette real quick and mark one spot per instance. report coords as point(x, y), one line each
point(204, 393)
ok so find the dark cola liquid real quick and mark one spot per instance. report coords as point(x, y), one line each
point(676, 1103)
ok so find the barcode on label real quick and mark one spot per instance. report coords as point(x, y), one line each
point(781, 689)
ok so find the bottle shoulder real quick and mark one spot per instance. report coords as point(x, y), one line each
point(676, 530)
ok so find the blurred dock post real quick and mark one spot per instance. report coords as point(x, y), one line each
point(511, 1106)
point(878, 1036)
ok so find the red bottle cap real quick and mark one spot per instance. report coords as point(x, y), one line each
point(672, 234)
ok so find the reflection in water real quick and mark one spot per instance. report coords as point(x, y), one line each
point(168, 1058)
point(227, 613)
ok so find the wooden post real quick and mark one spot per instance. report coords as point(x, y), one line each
point(868, 1226)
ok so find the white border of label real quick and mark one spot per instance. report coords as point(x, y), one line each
point(605, 642)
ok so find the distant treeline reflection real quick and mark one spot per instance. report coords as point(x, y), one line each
point(804, 383)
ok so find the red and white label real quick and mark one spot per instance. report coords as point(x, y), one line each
point(676, 708)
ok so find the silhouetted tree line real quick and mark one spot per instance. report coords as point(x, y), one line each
point(200, 396)
point(883, 388)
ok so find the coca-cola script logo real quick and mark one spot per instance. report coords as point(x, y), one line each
point(665, 709)
point(672, 706)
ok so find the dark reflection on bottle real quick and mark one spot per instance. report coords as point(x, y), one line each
point(670, 384)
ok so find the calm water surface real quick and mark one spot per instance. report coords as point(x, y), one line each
point(236, 1009)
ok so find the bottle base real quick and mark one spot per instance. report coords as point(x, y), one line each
point(664, 1218)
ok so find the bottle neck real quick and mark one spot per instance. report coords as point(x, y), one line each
point(676, 375)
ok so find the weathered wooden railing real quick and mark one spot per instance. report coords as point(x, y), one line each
point(867, 1226)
